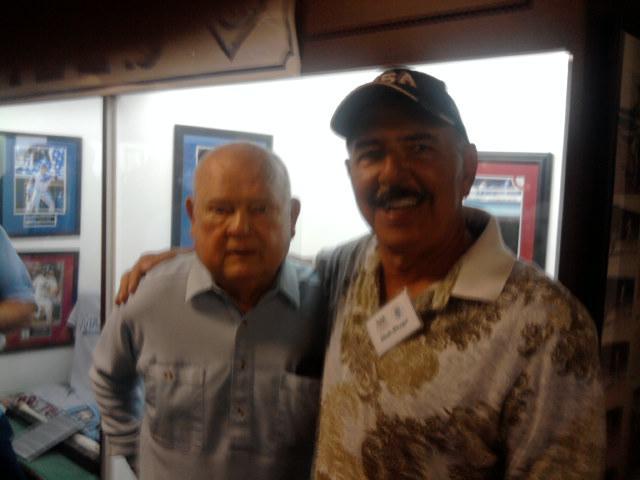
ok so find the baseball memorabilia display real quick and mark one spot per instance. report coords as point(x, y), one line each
point(40, 185)
point(54, 276)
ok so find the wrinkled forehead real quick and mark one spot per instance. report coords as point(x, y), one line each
point(237, 170)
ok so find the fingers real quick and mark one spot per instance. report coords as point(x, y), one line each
point(129, 282)
point(131, 279)
point(137, 272)
point(123, 291)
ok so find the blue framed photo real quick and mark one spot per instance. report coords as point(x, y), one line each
point(190, 145)
point(40, 188)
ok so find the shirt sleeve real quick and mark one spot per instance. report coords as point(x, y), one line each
point(553, 418)
point(335, 268)
point(15, 283)
point(116, 386)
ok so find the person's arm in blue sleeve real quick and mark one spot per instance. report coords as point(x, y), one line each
point(16, 292)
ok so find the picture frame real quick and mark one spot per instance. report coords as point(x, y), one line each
point(190, 144)
point(515, 188)
point(41, 184)
point(54, 276)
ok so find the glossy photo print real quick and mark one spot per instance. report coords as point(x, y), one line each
point(54, 278)
point(514, 188)
point(40, 184)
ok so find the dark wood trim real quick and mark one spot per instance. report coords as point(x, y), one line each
point(448, 15)
point(543, 25)
point(590, 160)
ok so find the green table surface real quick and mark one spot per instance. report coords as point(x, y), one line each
point(52, 465)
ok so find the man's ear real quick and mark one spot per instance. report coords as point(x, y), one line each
point(295, 212)
point(469, 167)
point(189, 206)
point(347, 164)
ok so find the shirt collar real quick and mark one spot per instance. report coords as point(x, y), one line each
point(486, 266)
point(200, 280)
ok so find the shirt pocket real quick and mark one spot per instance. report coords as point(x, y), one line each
point(175, 405)
point(297, 414)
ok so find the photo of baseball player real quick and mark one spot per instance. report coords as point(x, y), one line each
point(38, 190)
point(39, 174)
point(46, 278)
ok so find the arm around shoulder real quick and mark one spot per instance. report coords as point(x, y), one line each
point(131, 278)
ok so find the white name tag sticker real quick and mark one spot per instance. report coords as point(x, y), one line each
point(393, 323)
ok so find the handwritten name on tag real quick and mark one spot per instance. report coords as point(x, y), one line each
point(393, 323)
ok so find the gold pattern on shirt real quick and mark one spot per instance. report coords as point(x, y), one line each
point(406, 368)
point(515, 405)
point(464, 322)
point(340, 403)
point(575, 351)
point(361, 358)
point(405, 448)
point(423, 410)
point(533, 336)
point(574, 455)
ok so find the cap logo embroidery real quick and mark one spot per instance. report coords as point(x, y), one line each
point(399, 78)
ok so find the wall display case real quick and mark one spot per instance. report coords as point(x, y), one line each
point(190, 145)
point(66, 138)
point(41, 185)
point(54, 276)
point(515, 188)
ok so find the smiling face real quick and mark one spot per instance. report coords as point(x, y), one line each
point(242, 218)
point(409, 175)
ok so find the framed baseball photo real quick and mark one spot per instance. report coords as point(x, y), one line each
point(54, 276)
point(191, 144)
point(41, 179)
point(515, 188)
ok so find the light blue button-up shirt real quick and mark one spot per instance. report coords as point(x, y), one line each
point(15, 283)
point(227, 395)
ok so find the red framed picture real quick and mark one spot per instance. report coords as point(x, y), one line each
point(515, 188)
point(54, 276)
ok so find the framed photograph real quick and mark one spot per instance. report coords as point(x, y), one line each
point(515, 188)
point(41, 178)
point(190, 145)
point(55, 277)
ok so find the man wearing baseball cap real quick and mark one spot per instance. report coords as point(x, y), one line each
point(449, 358)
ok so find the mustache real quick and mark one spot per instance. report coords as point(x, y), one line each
point(383, 195)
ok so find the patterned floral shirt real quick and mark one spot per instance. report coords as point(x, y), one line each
point(502, 381)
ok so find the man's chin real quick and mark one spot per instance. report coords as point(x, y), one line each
point(398, 241)
point(241, 272)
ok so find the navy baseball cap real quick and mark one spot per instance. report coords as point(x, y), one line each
point(420, 89)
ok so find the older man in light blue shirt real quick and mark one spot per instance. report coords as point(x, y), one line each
point(228, 340)
point(16, 310)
